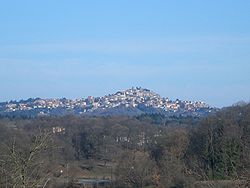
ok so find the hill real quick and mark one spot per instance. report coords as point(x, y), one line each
point(130, 102)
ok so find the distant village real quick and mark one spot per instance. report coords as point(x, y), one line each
point(130, 98)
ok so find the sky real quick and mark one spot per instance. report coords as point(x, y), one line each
point(190, 50)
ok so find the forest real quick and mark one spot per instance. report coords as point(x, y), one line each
point(136, 152)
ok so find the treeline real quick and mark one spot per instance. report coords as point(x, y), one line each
point(144, 151)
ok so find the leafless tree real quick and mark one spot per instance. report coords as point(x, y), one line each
point(24, 164)
point(135, 169)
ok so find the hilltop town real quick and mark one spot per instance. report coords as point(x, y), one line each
point(143, 100)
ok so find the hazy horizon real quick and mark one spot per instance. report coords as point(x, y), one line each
point(186, 50)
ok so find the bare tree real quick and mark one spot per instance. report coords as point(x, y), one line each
point(135, 170)
point(24, 164)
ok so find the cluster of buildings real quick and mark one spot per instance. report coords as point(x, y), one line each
point(134, 97)
point(32, 104)
point(138, 96)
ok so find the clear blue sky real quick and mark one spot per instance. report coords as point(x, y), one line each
point(192, 50)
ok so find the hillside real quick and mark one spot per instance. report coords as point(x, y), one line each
point(199, 152)
point(130, 102)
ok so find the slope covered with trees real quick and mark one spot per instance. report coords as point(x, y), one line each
point(144, 151)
